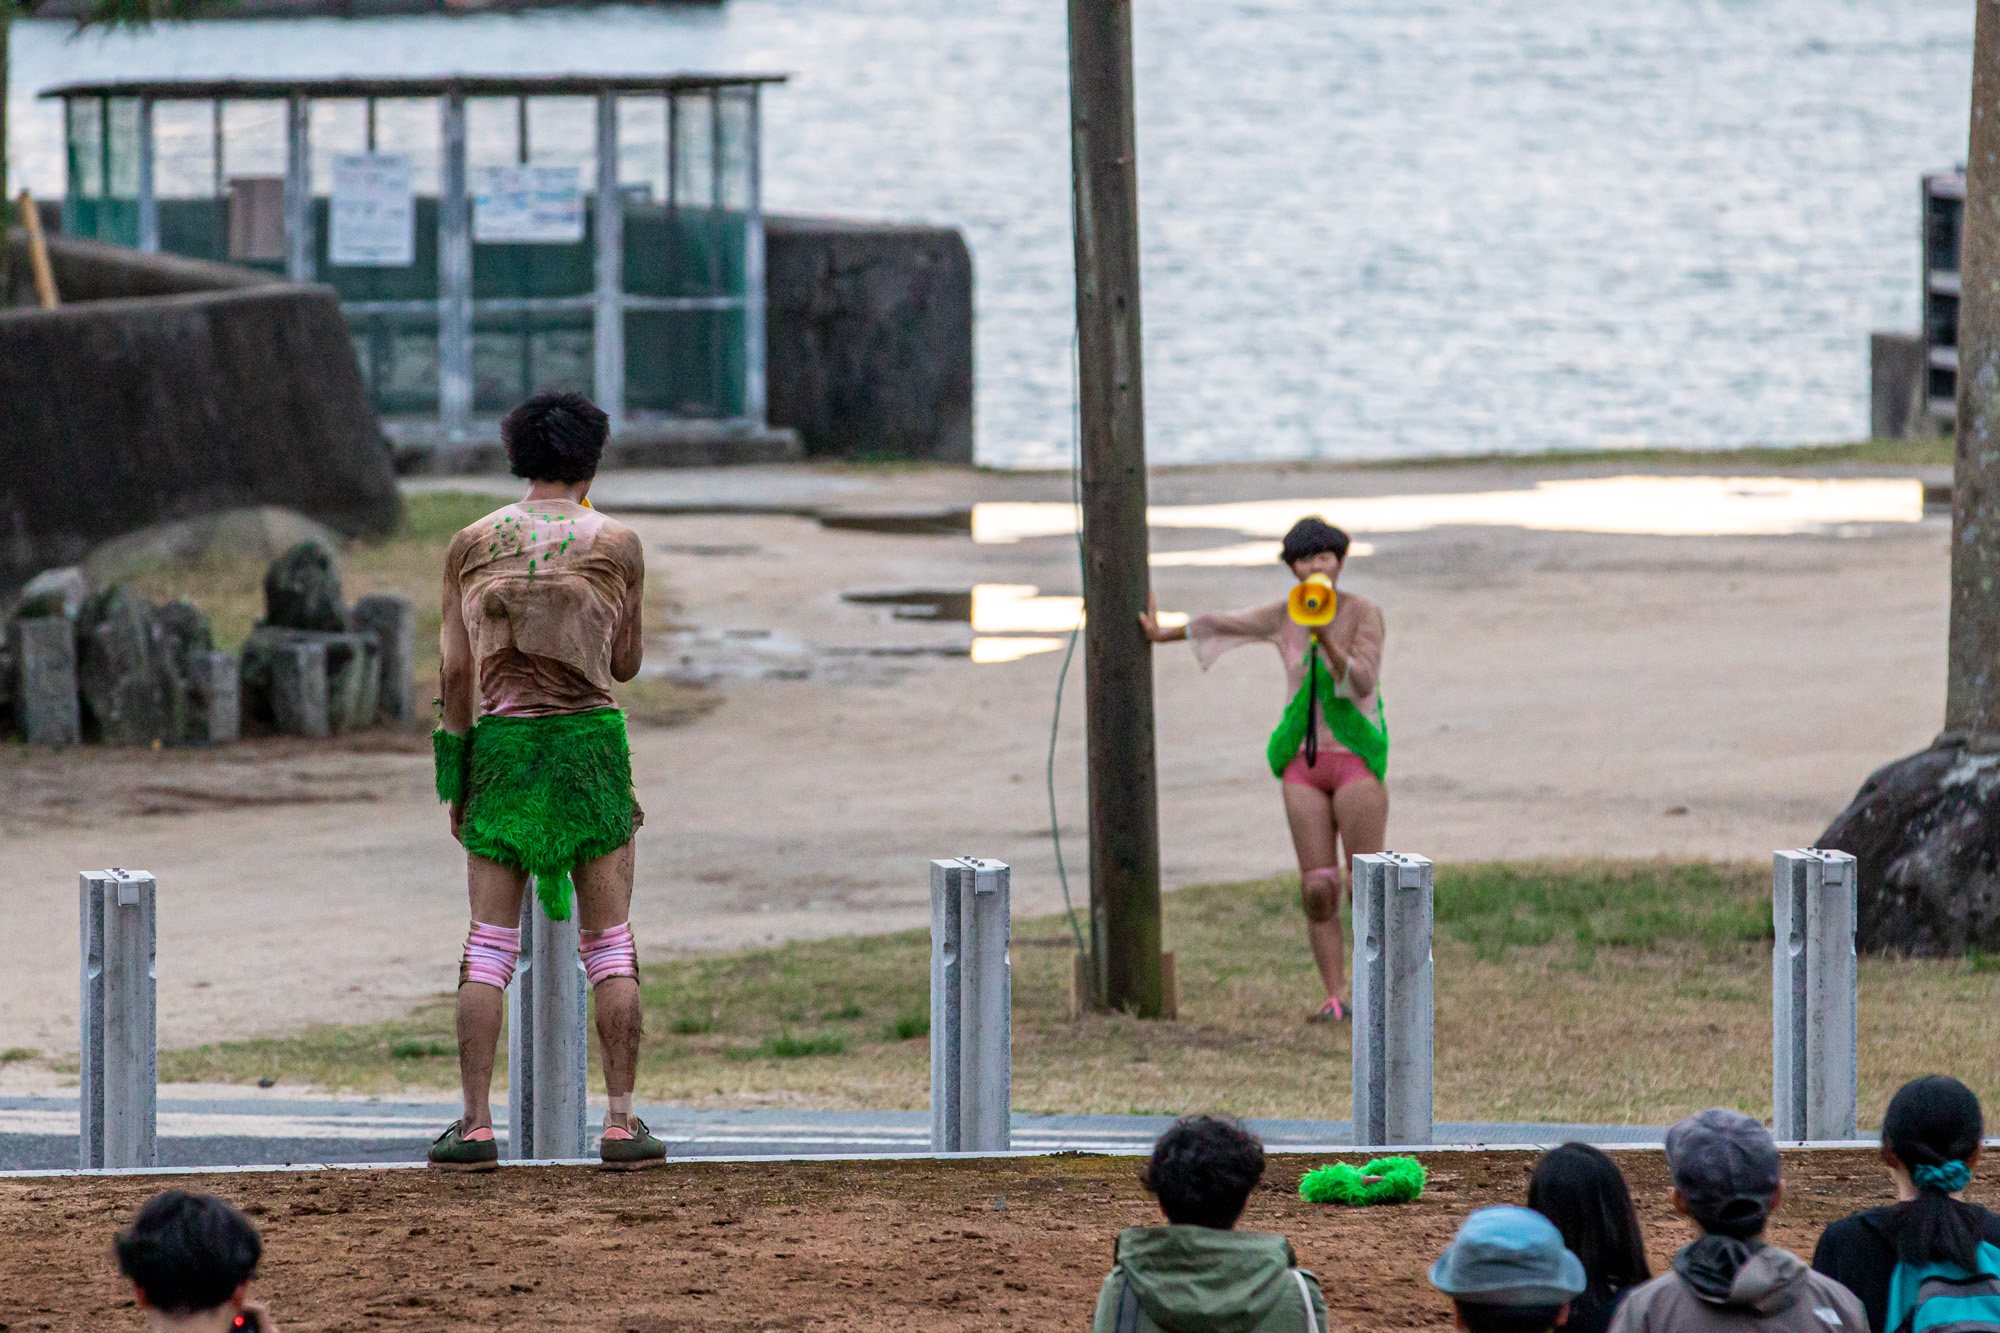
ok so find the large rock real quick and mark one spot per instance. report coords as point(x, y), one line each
point(302, 591)
point(353, 675)
point(121, 670)
point(1926, 833)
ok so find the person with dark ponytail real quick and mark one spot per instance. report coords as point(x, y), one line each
point(1930, 1143)
point(1583, 1192)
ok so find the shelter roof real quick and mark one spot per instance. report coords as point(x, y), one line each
point(471, 85)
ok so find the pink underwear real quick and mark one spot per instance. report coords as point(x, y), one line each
point(1335, 769)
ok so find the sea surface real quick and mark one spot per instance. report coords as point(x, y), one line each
point(1371, 228)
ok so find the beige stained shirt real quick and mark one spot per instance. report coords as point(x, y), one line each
point(543, 586)
point(1357, 631)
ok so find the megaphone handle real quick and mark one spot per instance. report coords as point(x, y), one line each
point(1312, 701)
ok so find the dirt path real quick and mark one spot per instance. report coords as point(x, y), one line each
point(1550, 694)
point(1014, 1244)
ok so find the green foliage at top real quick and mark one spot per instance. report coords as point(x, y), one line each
point(1621, 904)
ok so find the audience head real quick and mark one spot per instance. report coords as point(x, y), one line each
point(188, 1253)
point(1932, 1131)
point(1507, 1271)
point(555, 437)
point(1725, 1169)
point(1202, 1171)
point(1583, 1192)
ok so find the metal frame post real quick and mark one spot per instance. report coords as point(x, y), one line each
point(1814, 1028)
point(454, 277)
point(298, 189)
point(149, 204)
point(118, 1097)
point(755, 392)
point(972, 998)
point(609, 326)
point(548, 1041)
point(1394, 1049)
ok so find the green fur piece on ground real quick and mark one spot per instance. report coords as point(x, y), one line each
point(548, 793)
point(1384, 1180)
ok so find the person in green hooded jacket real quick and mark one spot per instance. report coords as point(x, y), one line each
point(1198, 1274)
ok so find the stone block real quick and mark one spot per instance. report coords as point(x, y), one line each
point(392, 619)
point(353, 675)
point(45, 700)
point(302, 591)
point(298, 688)
point(120, 670)
point(219, 697)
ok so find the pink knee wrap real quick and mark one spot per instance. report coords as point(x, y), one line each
point(490, 954)
point(608, 953)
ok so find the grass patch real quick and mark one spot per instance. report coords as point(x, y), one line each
point(1614, 992)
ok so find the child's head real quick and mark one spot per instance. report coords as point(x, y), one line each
point(188, 1253)
point(1725, 1169)
point(1202, 1171)
point(1314, 546)
point(1507, 1271)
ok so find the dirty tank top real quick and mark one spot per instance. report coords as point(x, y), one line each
point(542, 585)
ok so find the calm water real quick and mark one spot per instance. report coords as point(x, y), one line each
point(1372, 227)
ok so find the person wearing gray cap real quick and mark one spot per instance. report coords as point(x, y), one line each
point(1725, 1170)
point(1507, 1271)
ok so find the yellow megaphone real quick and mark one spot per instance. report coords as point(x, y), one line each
point(1312, 602)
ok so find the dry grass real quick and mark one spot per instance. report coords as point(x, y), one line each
point(1595, 992)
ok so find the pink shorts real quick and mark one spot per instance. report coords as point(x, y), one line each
point(1335, 769)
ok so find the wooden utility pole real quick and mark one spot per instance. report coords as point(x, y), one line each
point(1118, 662)
point(1972, 672)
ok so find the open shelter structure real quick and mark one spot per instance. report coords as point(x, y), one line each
point(487, 237)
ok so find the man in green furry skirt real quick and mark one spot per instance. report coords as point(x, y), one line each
point(541, 614)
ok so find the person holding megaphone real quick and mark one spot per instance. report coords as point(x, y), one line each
point(1330, 750)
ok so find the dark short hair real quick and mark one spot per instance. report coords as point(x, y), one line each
point(555, 437)
point(1932, 1121)
point(188, 1252)
point(1203, 1169)
point(1483, 1318)
point(1309, 537)
point(1582, 1191)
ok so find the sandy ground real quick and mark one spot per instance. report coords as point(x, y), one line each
point(1549, 694)
point(1012, 1244)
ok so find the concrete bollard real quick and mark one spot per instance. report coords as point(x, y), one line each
point(118, 1098)
point(972, 1006)
point(46, 697)
point(392, 619)
point(548, 1041)
point(298, 689)
point(1814, 1033)
point(1393, 1015)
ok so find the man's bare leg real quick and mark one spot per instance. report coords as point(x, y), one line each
point(495, 892)
point(1314, 839)
point(604, 900)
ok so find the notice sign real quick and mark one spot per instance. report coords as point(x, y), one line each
point(374, 221)
point(535, 205)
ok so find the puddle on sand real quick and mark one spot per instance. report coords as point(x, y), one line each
point(1633, 506)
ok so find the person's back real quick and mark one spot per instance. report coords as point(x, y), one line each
point(1931, 1136)
point(1726, 1181)
point(1198, 1274)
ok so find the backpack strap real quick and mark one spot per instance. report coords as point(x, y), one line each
point(1128, 1307)
point(1306, 1295)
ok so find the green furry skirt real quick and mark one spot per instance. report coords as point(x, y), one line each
point(545, 794)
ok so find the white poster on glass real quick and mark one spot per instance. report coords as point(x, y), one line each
point(527, 204)
point(373, 212)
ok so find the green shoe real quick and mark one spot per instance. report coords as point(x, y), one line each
point(452, 1152)
point(633, 1152)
